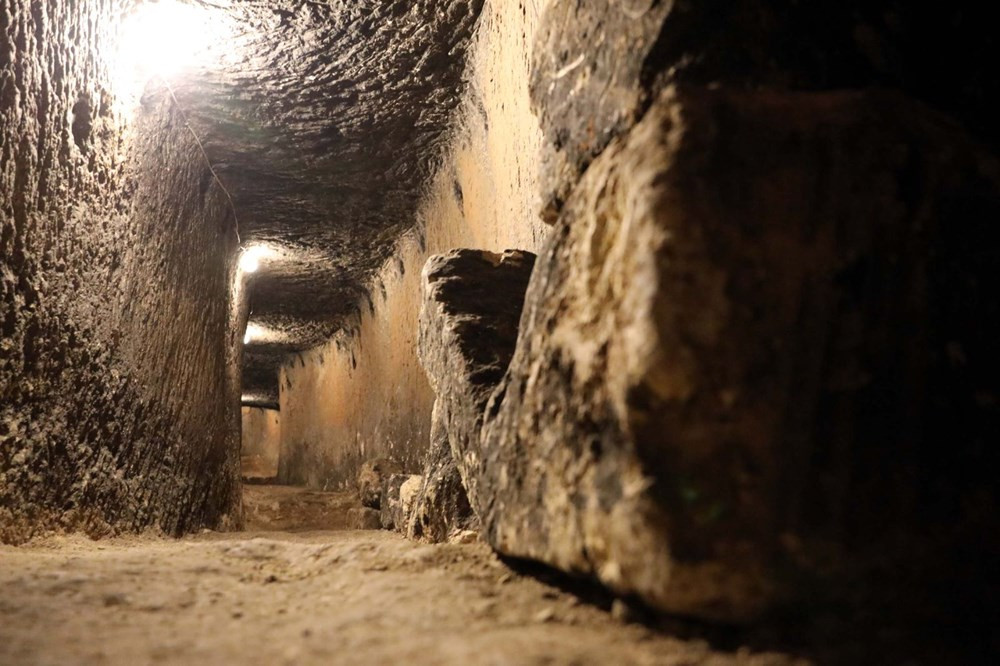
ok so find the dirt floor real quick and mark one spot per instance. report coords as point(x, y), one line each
point(304, 596)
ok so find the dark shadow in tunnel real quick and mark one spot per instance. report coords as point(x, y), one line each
point(937, 622)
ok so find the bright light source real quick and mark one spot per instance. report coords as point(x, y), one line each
point(264, 334)
point(165, 37)
point(249, 263)
point(254, 331)
point(251, 257)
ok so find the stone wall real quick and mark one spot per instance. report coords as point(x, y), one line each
point(261, 437)
point(363, 394)
point(118, 379)
point(752, 365)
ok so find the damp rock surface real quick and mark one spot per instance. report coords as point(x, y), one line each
point(702, 392)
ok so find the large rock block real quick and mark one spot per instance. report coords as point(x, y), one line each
point(442, 505)
point(586, 82)
point(597, 65)
point(726, 359)
point(468, 328)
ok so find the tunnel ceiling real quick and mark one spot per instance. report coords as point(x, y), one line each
point(324, 125)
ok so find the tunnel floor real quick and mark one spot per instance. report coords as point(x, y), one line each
point(305, 596)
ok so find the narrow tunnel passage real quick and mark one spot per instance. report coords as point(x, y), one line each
point(498, 331)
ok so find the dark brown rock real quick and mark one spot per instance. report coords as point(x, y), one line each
point(597, 65)
point(441, 506)
point(585, 82)
point(729, 351)
point(398, 494)
point(468, 327)
point(372, 479)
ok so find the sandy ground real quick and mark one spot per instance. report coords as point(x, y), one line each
point(306, 597)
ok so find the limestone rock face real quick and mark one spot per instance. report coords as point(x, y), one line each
point(372, 479)
point(119, 368)
point(398, 494)
point(442, 505)
point(468, 327)
point(721, 354)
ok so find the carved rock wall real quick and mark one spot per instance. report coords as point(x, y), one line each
point(118, 364)
point(363, 394)
point(261, 442)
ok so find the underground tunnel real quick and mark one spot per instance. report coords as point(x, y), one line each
point(499, 331)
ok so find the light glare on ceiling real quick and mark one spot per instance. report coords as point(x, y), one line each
point(249, 263)
point(259, 333)
point(250, 257)
point(254, 333)
point(161, 39)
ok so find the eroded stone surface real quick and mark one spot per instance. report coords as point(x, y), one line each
point(398, 494)
point(372, 480)
point(730, 337)
point(586, 87)
point(118, 368)
point(468, 327)
point(441, 506)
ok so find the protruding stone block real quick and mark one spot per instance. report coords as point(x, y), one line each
point(468, 327)
point(725, 354)
point(597, 65)
point(442, 505)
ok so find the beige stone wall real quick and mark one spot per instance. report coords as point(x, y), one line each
point(363, 394)
point(261, 442)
